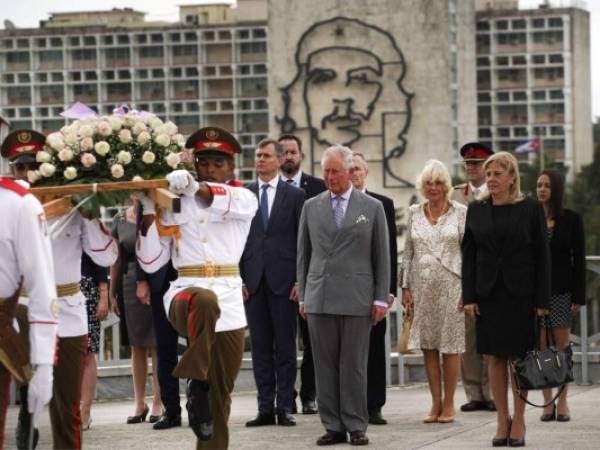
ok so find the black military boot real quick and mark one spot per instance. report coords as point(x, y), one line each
point(24, 425)
point(198, 408)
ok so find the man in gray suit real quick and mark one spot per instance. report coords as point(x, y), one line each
point(343, 273)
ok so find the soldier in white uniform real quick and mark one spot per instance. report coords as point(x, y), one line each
point(473, 366)
point(205, 242)
point(72, 234)
point(25, 261)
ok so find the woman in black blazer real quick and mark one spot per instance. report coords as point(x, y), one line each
point(506, 282)
point(567, 251)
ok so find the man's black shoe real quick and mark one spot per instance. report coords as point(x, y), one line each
point(23, 430)
point(167, 421)
point(331, 438)
point(490, 405)
point(198, 408)
point(309, 407)
point(285, 419)
point(358, 438)
point(473, 406)
point(262, 419)
point(375, 417)
point(294, 408)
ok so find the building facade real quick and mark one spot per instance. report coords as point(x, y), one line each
point(208, 69)
point(533, 80)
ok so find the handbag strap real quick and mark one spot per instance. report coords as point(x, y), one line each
point(516, 381)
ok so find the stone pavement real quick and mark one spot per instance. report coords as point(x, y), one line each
point(405, 409)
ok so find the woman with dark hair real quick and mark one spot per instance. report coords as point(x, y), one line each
point(567, 251)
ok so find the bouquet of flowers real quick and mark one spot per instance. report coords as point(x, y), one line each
point(125, 146)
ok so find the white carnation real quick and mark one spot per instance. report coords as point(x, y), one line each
point(43, 157)
point(124, 157)
point(47, 169)
point(163, 140)
point(148, 157)
point(65, 154)
point(125, 136)
point(143, 137)
point(70, 173)
point(102, 148)
point(117, 171)
point(172, 159)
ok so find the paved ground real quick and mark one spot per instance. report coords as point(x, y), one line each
point(405, 410)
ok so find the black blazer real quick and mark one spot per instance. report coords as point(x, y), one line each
point(272, 252)
point(567, 251)
point(313, 186)
point(390, 218)
point(523, 262)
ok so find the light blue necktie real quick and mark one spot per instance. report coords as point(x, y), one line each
point(338, 211)
point(264, 205)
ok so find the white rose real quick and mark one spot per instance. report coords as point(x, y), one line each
point(161, 129)
point(102, 148)
point(88, 160)
point(155, 123)
point(171, 128)
point(125, 136)
point(65, 154)
point(33, 176)
point(137, 178)
point(172, 159)
point(148, 157)
point(116, 123)
point(178, 139)
point(117, 171)
point(124, 157)
point(43, 157)
point(71, 138)
point(86, 144)
point(47, 169)
point(138, 127)
point(143, 137)
point(56, 141)
point(86, 131)
point(70, 173)
point(163, 140)
point(104, 128)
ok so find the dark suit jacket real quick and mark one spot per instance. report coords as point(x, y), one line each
point(523, 262)
point(390, 217)
point(272, 252)
point(313, 186)
point(567, 250)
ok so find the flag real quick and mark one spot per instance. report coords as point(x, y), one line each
point(532, 145)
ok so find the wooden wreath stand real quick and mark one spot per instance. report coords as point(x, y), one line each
point(57, 200)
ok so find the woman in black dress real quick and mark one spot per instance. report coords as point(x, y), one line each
point(506, 282)
point(567, 251)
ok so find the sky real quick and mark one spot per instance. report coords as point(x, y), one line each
point(28, 13)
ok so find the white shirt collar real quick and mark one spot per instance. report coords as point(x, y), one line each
point(273, 182)
point(481, 189)
point(296, 178)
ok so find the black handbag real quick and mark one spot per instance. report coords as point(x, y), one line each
point(543, 369)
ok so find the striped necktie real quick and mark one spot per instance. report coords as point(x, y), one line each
point(338, 210)
point(264, 205)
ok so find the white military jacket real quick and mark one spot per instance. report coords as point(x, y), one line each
point(78, 235)
point(199, 235)
point(25, 252)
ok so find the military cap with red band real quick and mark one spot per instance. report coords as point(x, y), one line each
point(20, 146)
point(475, 151)
point(211, 140)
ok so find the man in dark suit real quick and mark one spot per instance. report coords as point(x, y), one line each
point(268, 270)
point(376, 369)
point(312, 186)
point(344, 276)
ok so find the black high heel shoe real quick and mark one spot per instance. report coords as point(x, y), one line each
point(141, 418)
point(518, 442)
point(502, 442)
point(549, 417)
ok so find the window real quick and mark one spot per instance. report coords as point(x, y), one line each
point(158, 73)
point(57, 76)
point(190, 37)
point(555, 22)
point(191, 72)
point(108, 39)
point(243, 34)
point(538, 23)
point(253, 47)
point(557, 58)
point(42, 77)
point(539, 95)
point(224, 35)
point(260, 69)
point(557, 130)
point(175, 37)
point(185, 50)
point(483, 25)
point(502, 60)
point(519, 24)
point(156, 38)
point(91, 76)
point(40, 42)
point(24, 112)
point(261, 104)
point(502, 96)
point(141, 38)
point(520, 96)
point(9, 78)
point(501, 25)
point(176, 73)
point(539, 59)
point(484, 97)
point(89, 40)
point(259, 33)
point(24, 78)
point(84, 55)
point(483, 61)
point(56, 42)
point(122, 39)
point(117, 53)
point(22, 43)
point(557, 94)
point(519, 60)
point(151, 52)
point(124, 75)
point(244, 69)
point(520, 132)
point(503, 132)
point(17, 57)
point(50, 56)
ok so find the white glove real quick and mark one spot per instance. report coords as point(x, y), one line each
point(181, 182)
point(148, 207)
point(40, 391)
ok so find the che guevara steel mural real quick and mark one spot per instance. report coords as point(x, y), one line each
point(348, 90)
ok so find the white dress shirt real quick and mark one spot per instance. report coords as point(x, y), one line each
point(271, 191)
point(478, 191)
point(296, 179)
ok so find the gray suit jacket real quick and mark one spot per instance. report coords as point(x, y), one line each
point(343, 272)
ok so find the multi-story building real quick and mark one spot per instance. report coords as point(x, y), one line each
point(533, 79)
point(210, 68)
